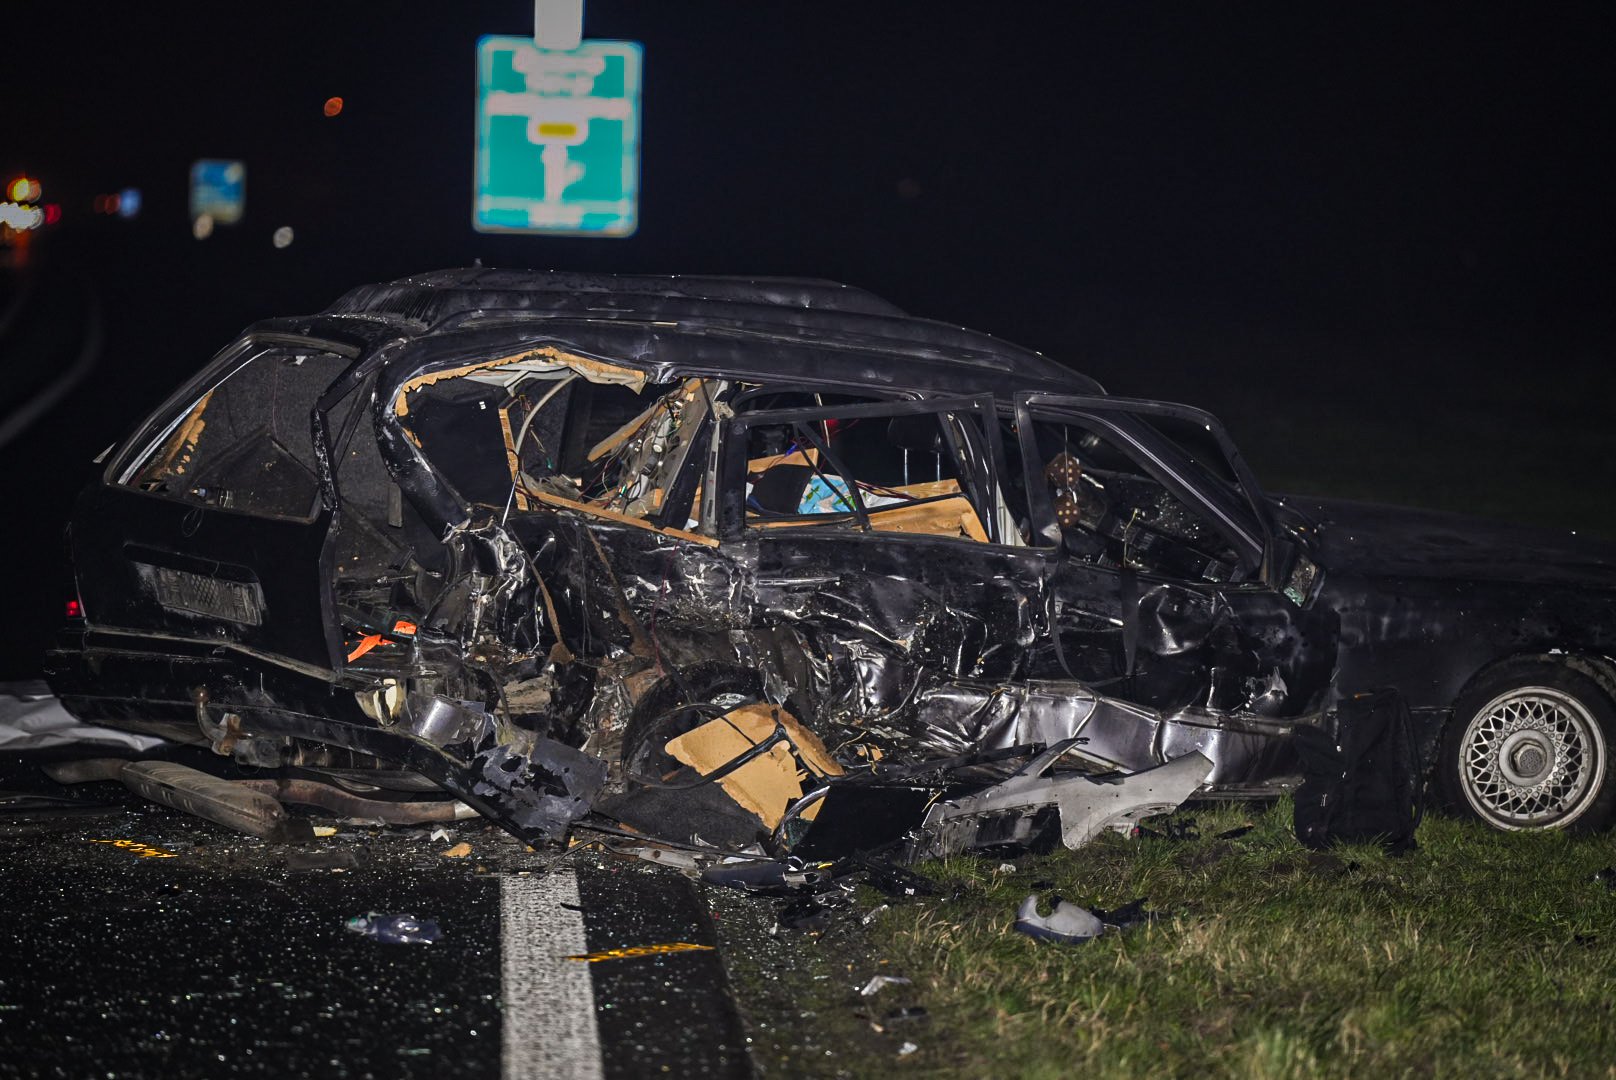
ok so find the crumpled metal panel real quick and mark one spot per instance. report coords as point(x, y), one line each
point(544, 787)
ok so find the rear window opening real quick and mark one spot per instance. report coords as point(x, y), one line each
point(246, 444)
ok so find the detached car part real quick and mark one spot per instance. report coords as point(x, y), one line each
point(1007, 812)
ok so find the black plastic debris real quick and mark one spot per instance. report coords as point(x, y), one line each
point(395, 929)
point(546, 790)
point(1235, 833)
point(770, 877)
point(1169, 830)
point(804, 914)
point(886, 877)
point(1066, 922)
point(1127, 916)
point(906, 1015)
point(1607, 878)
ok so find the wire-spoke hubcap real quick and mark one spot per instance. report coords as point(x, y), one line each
point(1532, 759)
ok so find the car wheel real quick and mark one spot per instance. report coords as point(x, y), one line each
point(665, 711)
point(1529, 748)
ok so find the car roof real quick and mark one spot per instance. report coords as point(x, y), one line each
point(792, 313)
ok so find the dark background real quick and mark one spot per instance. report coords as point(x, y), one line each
point(1376, 239)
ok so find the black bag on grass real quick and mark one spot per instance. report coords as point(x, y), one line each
point(1361, 780)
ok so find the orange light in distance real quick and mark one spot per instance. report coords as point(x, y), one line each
point(333, 106)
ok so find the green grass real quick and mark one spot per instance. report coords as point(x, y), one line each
point(1481, 954)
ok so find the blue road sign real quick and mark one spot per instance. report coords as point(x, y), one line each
point(558, 138)
point(219, 190)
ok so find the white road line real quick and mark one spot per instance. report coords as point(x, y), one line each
point(549, 1029)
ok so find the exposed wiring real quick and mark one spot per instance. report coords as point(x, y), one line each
point(527, 422)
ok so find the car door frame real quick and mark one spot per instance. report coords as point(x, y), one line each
point(1265, 599)
point(1257, 536)
point(866, 582)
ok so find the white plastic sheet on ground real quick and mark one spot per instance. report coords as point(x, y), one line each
point(32, 719)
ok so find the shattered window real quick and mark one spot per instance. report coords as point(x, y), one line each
point(548, 428)
point(1112, 512)
point(248, 443)
point(895, 473)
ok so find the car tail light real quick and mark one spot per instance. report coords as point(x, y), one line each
point(75, 610)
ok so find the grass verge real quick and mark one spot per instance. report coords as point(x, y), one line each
point(1481, 954)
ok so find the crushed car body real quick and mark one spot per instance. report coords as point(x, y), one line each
point(695, 559)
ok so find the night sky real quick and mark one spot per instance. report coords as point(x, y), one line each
point(1222, 203)
point(1306, 166)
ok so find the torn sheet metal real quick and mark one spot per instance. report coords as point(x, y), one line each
point(1008, 812)
point(544, 790)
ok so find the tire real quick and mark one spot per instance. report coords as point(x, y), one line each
point(1528, 749)
point(657, 716)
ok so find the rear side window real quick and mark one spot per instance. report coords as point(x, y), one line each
point(247, 444)
point(897, 471)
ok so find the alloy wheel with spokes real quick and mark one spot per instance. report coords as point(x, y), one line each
point(1532, 758)
point(1529, 749)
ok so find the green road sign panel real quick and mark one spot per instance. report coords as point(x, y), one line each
point(558, 138)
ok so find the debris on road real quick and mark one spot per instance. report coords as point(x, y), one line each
point(905, 1015)
point(878, 983)
point(1066, 922)
point(135, 847)
point(634, 952)
point(1127, 916)
point(459, 851)
point(395, 929)
point(1181, 830)
point(806, 914)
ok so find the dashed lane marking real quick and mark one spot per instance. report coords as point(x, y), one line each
point(549, 1028)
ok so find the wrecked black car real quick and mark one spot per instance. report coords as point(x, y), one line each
point(696, 559)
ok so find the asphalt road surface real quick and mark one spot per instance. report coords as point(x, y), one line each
point(138, 942)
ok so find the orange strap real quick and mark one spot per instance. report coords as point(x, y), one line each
point(367, 643)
